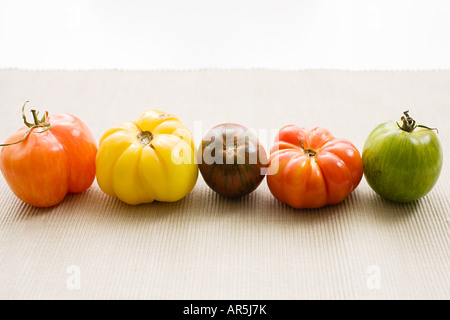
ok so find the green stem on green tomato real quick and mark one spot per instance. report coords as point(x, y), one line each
point(409, 124)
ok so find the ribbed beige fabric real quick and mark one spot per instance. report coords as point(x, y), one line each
point(206, 247)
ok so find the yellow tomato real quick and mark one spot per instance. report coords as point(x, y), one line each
point(152, 158)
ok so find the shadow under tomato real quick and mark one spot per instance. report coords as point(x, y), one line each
point(265, 208)
point(389, 211)
point(203, 202)
point(115, 208)
point(24, 211)
point(93, 203)
point(312, 215)
point(19, 210)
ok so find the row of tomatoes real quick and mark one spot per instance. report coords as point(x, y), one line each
point(154, 159)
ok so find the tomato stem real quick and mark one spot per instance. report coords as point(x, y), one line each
point(145, 138)
point(309, 152)
point(35, 117)
point(409, 124)
point(37, 123)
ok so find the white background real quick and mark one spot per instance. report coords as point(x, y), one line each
point(287, 34)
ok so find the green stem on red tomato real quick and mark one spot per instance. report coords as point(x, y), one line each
point(35, 117)
point(37, 123)
point(309, 152)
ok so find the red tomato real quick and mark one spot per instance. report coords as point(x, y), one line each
point(311, 168)
point(56, 157)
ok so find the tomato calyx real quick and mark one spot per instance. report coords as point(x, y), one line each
point(37, 124)
point(309, 152)
point(409, 124)
point(145, 138)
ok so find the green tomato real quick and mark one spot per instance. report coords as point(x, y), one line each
point(402, 161)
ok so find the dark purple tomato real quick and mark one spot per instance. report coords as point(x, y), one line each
point(231, 160)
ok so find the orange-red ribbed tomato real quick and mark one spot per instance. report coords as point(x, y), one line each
point(57, 157)
point(311, 168)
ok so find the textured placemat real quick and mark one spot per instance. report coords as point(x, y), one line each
point(208, 247)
